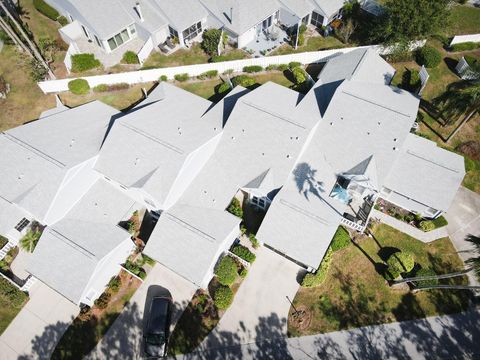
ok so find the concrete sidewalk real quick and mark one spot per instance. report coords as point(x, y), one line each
point(36, 330)
point(423, 236)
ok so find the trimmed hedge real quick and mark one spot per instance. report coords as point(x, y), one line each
point(62, 20)
point(252, 69)
point(130, 58)
point(299, 75)
point(399, 263)
point(429, 56)
point(317, 278)
point(465, 46)
point(226, 271)
point(113, 87)
point(208, 74)
point(163, 78)
point(84, 62)
point(235, 208)
point(244, 253)
point(426, 272)
point(243, 80)
point(440, 222)
point(294, 64)
point(427, 225)
point(103, 300)
point(223, 297)
point(223, 88)
point(45, 9)
point(243, 273)
point(341, 239)
point(254, 241)
point(181, 77)
point(282, 67)
point(79, 86)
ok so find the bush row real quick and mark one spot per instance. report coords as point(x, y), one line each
point(46, 9)
point(243, 253)
point(317, 278)
point(113, 87)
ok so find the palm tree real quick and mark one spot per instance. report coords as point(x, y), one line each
point(462, 98)
point(29, 241)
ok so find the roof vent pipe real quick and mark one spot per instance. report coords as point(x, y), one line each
point(231, 15)
point(138, 9)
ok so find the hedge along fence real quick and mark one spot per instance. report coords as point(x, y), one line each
point(142, 76)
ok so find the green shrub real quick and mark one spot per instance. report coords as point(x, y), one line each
point(135, 269)
point(208, 74)
point(465, 46)
point(252, 69)
point(426, 272)
point(243, 273)
point(113, 87)
point(226, 271)
point(411, 80)
point(102, 301)
point(181, 77)
point(130, 58)
point(299, 75)
point(409, 217)
point(13, 295)
point(45, 9)
point(317, 278)
point(440, 222)
point(211, 39)
point(399, 263)
point(294, 64)
point(62, 20)
point(243, 80)
point(282, 67)
point(84, 62)
point(235, 208)
point(429, 56)
point(115, 283)
point(271, 67)
point(427, 225)
point(228, 72)
point(101, 88)
point(223, 88)
point(79, 86)
point(163, 78)
point(30, 240)
point(244, 253)
point(341, 239)
point(254, 241)
point(223, 297)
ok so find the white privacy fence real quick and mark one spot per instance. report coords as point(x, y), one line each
point(142, 76)
point(465, 38)
point(72, 50)
point(145, 51)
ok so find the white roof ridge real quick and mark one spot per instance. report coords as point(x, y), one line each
point(71, 243)
point(360, 62)
point(278, 116)
point(34, 150)
point(413, 153)
point(193, 229)
point(153, 138)
point(304, 212)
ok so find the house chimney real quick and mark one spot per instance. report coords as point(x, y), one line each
point(138, 9)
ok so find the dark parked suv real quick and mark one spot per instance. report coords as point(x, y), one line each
point(157, 330)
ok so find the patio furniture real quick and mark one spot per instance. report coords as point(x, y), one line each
point(163, 48)
point(274, 35)
point(170, 43)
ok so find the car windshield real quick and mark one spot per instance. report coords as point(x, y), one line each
point(155, 339)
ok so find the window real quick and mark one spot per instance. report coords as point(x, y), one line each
point(267, 23)
point(305, 20)
point(173, 32)
point(317, 19)
point(85, 32)
point(98, 41)
point(118, 39)
point(192, 31)
point(260, 202)
point(22, 224)
point(132, 29)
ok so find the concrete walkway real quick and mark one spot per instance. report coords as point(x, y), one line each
point(123, 341)
point(463, 221)
point(423, 236)
point(260, 308)
point(441, 337)
point(38, 327)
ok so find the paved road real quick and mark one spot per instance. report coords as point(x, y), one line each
point(446, 337)
point(123, 341)
point(463, 221)
point(35, 331)
point(260, 308)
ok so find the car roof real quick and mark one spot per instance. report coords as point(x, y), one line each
point(159, 309)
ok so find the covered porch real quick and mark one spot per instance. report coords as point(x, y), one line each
point(267, 40)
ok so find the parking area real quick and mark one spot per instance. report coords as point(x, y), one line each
point(124, 339)
point(34, 333)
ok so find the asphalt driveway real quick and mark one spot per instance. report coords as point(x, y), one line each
point(464, 220)
point(260, 309)
point(35, 331)
point(124, 338)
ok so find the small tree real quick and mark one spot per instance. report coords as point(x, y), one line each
point(235, 208)
point(211, 40)
point(346, 30)
point(48, 47)
point(429, 56)
point(30, 240)
point(226, 271)
point(399, 263)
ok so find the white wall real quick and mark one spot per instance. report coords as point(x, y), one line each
point(160, 36)
point(465, 38)
point(145, 51)
point(76, 183)
point(108, 267)
point(221, 249)
point(246, 38)
point(192, 166)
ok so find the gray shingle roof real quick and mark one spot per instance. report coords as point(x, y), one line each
point(328, 7)
point(69, 251)
point(37, 155)
point(182, 14)
point(10, 215)
point(426, 173)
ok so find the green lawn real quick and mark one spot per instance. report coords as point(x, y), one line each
point(464, 20)
point(314, 43)
point(354, 293)
point(11, 302)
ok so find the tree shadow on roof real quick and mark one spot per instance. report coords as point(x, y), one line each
point(305, 180)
